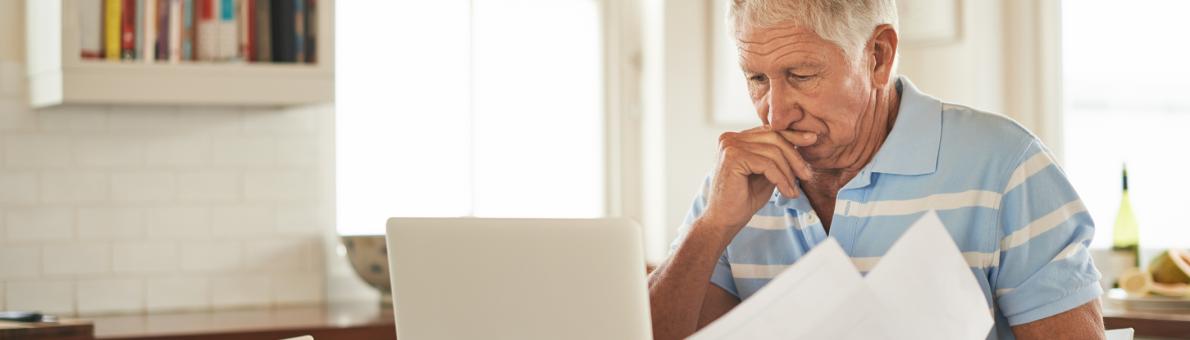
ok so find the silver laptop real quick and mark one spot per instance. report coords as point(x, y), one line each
point(476, 278)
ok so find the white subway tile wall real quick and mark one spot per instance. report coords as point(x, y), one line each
point(102, 296)
point(178, 293)
point(124, 209)
point(50, 296)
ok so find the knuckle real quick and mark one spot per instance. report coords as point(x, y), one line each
point(727, 136)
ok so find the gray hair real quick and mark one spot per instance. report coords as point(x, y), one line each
point(847, 23)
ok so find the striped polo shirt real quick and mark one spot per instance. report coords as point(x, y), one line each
point(1007, 204)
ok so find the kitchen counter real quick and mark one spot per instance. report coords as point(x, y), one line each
point(370, 321)
point(329, 322)
point(1163, 324)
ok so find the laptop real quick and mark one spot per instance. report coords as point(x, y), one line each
point(480, 278)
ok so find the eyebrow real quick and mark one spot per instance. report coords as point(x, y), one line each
point(799, 65)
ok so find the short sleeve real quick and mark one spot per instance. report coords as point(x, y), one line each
point(722, 275)
point(1045, 268)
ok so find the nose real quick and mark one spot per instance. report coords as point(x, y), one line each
point(783, 109)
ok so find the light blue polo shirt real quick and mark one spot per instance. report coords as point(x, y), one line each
point(1006, 203)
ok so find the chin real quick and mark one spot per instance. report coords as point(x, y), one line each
point(814, 153)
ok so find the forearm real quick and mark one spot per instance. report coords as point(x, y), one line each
point(677, 288)
point(1082, 322)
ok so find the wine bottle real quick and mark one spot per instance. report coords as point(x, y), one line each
point(1125, 236)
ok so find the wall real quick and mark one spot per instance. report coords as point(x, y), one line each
point(124, 209)
point(969, 70)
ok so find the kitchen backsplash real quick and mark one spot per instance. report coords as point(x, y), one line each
point(125, 209)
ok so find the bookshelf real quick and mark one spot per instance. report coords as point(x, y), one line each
point(58, 75)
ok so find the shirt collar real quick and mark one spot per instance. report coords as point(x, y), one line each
point(911, 148)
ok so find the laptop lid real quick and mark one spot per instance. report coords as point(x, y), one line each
point(472, 278)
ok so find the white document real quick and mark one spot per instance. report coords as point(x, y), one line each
point(922, 288)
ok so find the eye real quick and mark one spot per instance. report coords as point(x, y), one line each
point(759, 78)
point(800, 77)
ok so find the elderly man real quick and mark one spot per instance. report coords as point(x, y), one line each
point(848, 150)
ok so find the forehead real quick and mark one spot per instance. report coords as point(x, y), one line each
point(784, 44)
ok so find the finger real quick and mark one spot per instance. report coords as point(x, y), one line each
point(757, 164)
point(773, 153)
point(801, 168)
point(755, 129)
point(799, 138)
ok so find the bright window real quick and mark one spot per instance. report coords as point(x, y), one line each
point(487, 108)
point(1127, 100)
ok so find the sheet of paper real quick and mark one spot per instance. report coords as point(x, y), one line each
point(920, 289)
point(926, 281)
point(790, 306)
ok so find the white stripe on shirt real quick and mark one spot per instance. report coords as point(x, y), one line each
point(974, 259)
point(947, 201)
point(1043, 224)
point(756, 271)
point(1038, 162)
point(1069, 251)
point(768, 222)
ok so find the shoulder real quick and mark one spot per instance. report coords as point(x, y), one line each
point(993, 142)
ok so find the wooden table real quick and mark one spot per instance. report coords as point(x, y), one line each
point(1175, 325)
point(330, 322)
point(65, 329)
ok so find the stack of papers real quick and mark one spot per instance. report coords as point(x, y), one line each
point(921, 289)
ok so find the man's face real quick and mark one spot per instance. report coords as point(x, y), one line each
point(799, 81)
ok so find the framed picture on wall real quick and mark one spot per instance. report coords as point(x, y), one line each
point(929, 22)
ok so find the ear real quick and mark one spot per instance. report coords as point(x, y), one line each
point(882, 48)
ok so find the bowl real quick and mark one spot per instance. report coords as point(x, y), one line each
point(368, 255)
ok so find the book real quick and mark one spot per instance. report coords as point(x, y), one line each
point(91, 14)
point(311, 30)
point(162, 43)
point(175, 31)
point(248, 31)
point(188, 30)
point(208, 30)
point(282, 30)
point(299, 31)
point(263, 32)
point(112, 24)
point(127, 30)
point(228, 37)
point(199, 30)
point(148, 22)
point(138, 30)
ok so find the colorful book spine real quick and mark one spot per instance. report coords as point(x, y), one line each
point(175, 31)
point(91, 14)
point(299, 31)
point(311, 31)
point(208, 30)
point(246, 18)
point(128, 30)
point(228, 37)
point(148, 21)
point(262, 35)
point(112, 29)
point(188, 30)
point(163, 29)
point(139, 29)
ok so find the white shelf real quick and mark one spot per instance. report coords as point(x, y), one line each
point(58, 75)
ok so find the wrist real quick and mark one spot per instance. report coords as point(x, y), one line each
point(716, 231)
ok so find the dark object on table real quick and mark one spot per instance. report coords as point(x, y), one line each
point(22, 316)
